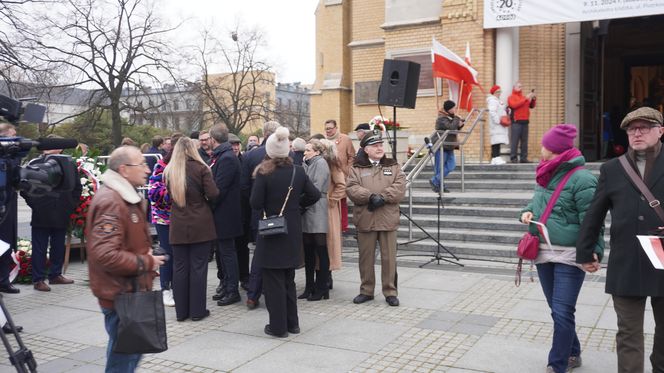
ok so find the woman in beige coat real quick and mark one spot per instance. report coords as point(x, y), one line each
point(336, 192)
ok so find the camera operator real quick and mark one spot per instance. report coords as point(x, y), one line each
point(50, 218)
point(9, 227)
point(9, 234)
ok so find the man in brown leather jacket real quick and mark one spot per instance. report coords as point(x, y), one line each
point(376, 185)
point(119, 244)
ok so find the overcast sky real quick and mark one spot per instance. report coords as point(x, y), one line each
point(289, 28)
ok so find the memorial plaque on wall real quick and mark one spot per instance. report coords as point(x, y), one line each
point(366, 93)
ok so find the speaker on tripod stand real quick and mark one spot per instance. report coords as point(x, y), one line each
point(398, 88)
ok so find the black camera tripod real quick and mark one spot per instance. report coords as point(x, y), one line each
point(22, 358)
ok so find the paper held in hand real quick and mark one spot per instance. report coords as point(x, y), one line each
point(652, 245)
point(545, 232)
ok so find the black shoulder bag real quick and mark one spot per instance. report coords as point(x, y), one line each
point(142, 327)
point(276, 224)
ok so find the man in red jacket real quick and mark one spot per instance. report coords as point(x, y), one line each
point(520, 106)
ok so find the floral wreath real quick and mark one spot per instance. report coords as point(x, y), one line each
point(383, 124)
point(90, 172)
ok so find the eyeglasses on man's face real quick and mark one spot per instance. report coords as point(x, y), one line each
point(136, 164)
point(644, 130)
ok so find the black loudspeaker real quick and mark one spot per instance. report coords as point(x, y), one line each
point(399, 84)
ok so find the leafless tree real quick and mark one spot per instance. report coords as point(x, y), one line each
point(237, 86)
point(16, 63)
point(105, 44)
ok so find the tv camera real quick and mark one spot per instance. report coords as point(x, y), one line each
point(53, 173)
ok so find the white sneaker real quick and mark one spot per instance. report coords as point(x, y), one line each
point(167, 296)
point(500, 161)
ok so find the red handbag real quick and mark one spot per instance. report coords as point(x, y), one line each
point(528, 247)
point(505, 121)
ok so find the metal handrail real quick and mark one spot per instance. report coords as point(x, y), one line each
point(441, 141)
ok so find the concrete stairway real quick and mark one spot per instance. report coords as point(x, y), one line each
point(480, 223)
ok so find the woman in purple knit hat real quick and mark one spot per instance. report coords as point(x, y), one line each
point(560, 276)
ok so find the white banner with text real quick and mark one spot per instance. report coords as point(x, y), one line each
point(511, 13)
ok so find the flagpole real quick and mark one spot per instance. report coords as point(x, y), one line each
point(460, 93)
point(435, 87)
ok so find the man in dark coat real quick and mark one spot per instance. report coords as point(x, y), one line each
point(50, 218)
point(204, 149)
point(630, 277)
point(151, 160)
point(249, 162)
point(9, 227)
point(242, 241)
point(226, 171)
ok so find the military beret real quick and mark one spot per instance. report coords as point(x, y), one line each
point(643, 113)
point(371, 138)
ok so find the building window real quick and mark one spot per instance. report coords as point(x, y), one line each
point(421, 56)
point(403, 12)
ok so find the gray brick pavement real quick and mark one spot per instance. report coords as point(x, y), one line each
point(450, 320)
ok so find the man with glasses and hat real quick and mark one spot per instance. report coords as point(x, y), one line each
point(376, 185)
point(631, 277)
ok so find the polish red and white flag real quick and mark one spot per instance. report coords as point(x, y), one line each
point(448, 65)
point(459, 74)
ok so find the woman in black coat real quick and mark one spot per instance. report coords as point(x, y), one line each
point(279, 255)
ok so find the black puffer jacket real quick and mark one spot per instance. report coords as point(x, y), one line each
point(53, 211)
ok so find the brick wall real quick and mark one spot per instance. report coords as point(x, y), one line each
point(541, 64)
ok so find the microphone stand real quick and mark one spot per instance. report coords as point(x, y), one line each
point(437, 256)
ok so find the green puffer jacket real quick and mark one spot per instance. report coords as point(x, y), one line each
point(565, 219)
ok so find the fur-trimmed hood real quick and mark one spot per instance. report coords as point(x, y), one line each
point(119, 184)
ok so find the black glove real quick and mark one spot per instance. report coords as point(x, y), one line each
point(375, 201)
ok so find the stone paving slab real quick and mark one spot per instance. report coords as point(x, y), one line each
point(304, 357)
point(220, 350)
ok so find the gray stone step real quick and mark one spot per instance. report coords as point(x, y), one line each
point(473, 211)
point(485, 250)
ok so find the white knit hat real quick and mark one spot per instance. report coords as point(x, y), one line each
point(277, 145)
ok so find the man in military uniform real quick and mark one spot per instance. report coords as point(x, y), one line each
point(376, 185)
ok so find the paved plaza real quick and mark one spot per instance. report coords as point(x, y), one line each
point(454, 320)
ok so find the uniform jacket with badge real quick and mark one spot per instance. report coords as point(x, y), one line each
point(386, 179)
point(629, 272)
point(268, 195)
point(117, 235)
point(314, 219)
point(193, 223)
point(228, 208)
point(53, 210)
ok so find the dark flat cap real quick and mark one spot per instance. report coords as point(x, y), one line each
point(371, 138)
point(362, 126)
point(643, 113)
point(233, 138)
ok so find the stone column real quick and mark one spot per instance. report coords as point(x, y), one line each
point(507, 59)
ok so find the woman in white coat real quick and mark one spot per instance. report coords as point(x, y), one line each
point(499, 134)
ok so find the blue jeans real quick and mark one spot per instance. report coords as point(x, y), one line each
point(166, 270)
point(117, 363)
point(561, 284)
point(449, 163)
point(40, 241)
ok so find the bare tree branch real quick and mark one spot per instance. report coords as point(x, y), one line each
point(111, 44)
